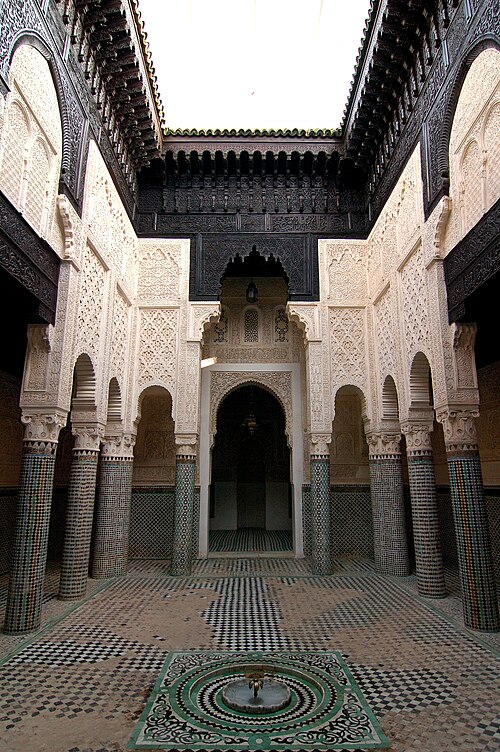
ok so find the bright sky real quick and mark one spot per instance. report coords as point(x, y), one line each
point(254, 63)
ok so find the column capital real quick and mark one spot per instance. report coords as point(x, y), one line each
point(41, 430)
point(418, 436)
point(186, 445)
point(119, 447)
point(320, 444)
point(459, 427)
point(384, 444)
point(88, 436)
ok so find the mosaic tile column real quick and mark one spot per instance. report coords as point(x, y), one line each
point(320, 506)
point(80, 512)
point(480, 602)
point(386, 486)
point(185, 474)
point(426, 533)
point(114, 496)
point(24, 600)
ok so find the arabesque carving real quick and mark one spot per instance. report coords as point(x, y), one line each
point(459, 428)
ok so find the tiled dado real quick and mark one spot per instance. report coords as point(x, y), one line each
point(351, 526)
point(152, 522)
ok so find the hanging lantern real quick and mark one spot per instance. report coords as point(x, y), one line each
point(251, 292)
point(250, 423)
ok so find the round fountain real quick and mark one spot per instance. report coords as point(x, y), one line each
point(256, 693)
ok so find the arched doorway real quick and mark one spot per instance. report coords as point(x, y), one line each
point(250, 492)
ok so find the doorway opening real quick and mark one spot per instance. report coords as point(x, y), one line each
point(250, 492)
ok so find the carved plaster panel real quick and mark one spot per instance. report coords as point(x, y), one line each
point(159, 271)
point(91, 303)
point(158, 347)
point(347, 347)
point(343, 280)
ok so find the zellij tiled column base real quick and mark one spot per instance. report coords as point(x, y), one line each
point(426, 533)
point(320, 514)
point(24, 600)
point(473, 542)
point(389, 528)
point(112, 518)
point(79, 517)
point(185, 471)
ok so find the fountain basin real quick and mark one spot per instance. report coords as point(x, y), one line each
point(273, 696)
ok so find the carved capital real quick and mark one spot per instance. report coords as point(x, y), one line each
point(384, 444)
point(319, 444)
point(41, 431)
point(464, 336)
point(199, 316)
point(40, 337)
point(87, 437)
point(418, 436)
point(64, 208)
point(459, 428)
point(186, 445)
point(120, 447)
point(306, 316)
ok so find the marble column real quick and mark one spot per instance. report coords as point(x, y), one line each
point(386, 486)
point(426, 534)
point(480, 603)
point(114, 495)
point(185, 475)
point(320, 505)
point(80, 511)
point(24, 600)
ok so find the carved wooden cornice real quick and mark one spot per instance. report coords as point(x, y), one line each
point(472, 262)
point(109, 42)
point(29, 259)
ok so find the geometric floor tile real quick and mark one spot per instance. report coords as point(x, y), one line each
point(250, 539)
point(187, 711)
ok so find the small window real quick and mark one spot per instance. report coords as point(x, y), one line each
point(251, 325)
point(281, 326)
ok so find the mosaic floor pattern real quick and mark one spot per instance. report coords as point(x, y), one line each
point(82, 683)
point(249, 539)
point(187, 708)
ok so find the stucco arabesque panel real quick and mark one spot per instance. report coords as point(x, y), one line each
point(279, 383)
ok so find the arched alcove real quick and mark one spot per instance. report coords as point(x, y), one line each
point(250, 494)
point(390, 406)
point(153, 481)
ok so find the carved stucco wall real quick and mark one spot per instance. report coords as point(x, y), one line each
point(475, 147)
point(31, 143)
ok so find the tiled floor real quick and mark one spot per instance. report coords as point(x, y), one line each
point(80, 685)
point(250, 539)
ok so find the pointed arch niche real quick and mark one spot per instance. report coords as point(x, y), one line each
point(282, 384)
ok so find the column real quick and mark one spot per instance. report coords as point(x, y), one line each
point(185, 473)
point(80, 512)
point(426, 534)
point(320, 505)
point(386, 486)
point(480, 602)
point(114, 495)
point(36, 482)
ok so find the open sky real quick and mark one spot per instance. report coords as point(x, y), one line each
point(254, 63)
